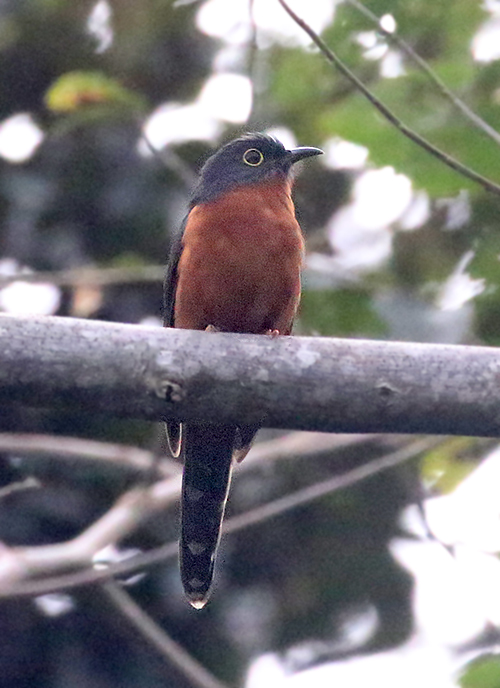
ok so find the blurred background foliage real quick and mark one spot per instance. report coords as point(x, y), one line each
point(408, 251)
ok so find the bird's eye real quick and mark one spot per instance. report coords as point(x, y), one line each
point(253, 157)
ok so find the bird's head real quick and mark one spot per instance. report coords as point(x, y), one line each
point(250, 159)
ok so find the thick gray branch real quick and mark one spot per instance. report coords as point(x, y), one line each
point(306, 383)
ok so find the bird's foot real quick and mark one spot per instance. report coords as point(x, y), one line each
point(211, 328)
point(272, 333)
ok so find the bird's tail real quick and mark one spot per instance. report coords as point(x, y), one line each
point(208, 453)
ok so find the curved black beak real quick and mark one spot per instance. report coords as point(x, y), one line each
point(297, 154)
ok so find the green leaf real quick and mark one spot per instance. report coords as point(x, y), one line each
point(482, 673)
point(446, 466)
point(77, 91)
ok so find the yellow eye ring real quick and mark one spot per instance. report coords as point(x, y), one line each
point(253, 157)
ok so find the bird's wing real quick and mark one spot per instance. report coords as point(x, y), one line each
point(170, 283)
point(172, 427)
point(243, 439)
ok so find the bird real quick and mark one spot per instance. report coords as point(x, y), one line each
point(234, 267)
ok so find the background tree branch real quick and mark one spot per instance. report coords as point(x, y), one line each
point(448, 160)
point(42, 569)
point(172, 652)
point(395, 40)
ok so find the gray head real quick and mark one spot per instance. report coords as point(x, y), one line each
point(250, 159)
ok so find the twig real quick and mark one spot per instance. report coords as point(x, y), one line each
point(253, 47)
point(13, 588)
point(118, 456)
point(387, 113)
point(338, 482)
point(307, 445)
point(96, 277)
point(171, 651)
point(173, 162)
point(86, 577)
point(394, 39)
point(123, 457)
point(28, 483)
point(127, 513)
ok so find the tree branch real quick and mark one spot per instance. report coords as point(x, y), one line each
point(19, 564)
point(171, 651)
point(91, 276)
point(386, 112)
point(394, 39)
point(305, 383)
point(132, 508)
point(333, 484)
point(119, 456)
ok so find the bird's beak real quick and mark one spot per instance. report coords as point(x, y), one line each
point(297, 154)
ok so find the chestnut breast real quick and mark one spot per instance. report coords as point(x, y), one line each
point(240, 264)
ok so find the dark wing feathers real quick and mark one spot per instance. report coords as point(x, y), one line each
point(170, 284)
point(172, 427)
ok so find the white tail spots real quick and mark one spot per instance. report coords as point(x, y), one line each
point(196, 548)
point(196, 583)
point(198, 604)
point(192, 493)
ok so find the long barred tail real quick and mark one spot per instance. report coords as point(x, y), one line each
point(207, 453)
